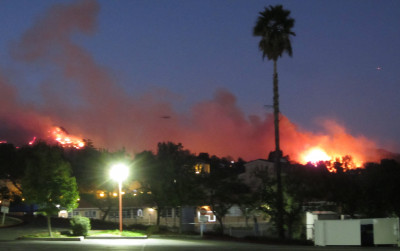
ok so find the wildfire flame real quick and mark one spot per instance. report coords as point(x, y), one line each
point(60, 135)
point(316, 155)
point(32, 141)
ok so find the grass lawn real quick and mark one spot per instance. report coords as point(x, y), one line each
point(115, 233)
point(66, 234)
point(46, 235)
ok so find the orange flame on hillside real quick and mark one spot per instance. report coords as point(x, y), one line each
point(334, 145)
point(317, 155)
point(57, 135)
point(60, 135)
point(32, 141)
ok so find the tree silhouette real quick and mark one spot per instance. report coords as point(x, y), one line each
point(274, 26)
point(48, 181)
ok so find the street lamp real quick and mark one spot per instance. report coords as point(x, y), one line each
point(119, 172)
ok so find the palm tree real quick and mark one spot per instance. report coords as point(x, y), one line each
point(274, 26)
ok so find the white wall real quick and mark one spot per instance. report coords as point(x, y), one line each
point(337, 232)
point(386, 231)
point(311, 217)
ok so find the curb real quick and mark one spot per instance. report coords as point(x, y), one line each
point(80, 238)
point(114, 237)
point(194, 237)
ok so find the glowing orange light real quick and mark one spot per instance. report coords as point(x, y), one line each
point(32, 141)
point(66, 140)
point(315, 155)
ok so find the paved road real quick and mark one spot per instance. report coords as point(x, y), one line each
point(163, 244)
point(8, 242)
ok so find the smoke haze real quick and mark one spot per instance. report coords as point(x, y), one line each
point(83, 97)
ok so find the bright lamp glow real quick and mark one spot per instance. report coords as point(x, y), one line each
point(119, 172)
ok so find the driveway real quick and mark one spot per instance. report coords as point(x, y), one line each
point(34, 225)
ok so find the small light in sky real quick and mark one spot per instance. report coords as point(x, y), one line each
point(379, 68)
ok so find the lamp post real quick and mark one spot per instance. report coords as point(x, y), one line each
point(119, 172)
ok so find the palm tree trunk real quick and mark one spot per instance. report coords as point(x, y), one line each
point(279, 201)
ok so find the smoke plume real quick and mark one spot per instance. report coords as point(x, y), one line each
point(82, 96)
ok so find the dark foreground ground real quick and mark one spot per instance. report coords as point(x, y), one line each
point(9, 235)
point(160, 244)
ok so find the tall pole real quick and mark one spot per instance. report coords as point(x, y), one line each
point(279, 200)
point(120, 206)
point(119, 172)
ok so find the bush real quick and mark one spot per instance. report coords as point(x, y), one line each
point(80, 226)
point(104, 225)
point(152, 230)
point(138, 227)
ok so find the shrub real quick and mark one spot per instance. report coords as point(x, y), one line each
point(80, 226)
point(138, 227)
point(152, 230)
point(103, 225)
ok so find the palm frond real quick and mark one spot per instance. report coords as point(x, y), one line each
point(274, 26)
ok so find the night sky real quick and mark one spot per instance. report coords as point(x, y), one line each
point(133, 73)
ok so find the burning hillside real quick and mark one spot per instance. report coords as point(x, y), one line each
point(57, 135)
point(317, 155)
point(60, 135)
point(83, 96)
point(335, 145)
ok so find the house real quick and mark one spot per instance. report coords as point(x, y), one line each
point(249, 224)
point(254, 169)
point(131, 213)
point(257, 169)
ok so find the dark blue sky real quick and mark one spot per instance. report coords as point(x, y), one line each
point(192, 48)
